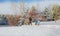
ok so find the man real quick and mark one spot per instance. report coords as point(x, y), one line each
point(30, 20)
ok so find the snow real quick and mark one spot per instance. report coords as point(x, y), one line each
point(31, 30)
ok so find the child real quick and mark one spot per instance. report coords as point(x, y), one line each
point(37, 22)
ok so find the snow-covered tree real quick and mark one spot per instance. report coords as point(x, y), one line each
point(47, 13)
point(32, 11)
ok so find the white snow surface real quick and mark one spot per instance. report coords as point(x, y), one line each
point(31, 30)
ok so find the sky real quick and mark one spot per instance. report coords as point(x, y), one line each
point(5, 5)
point(19, 0)
point(25, 0)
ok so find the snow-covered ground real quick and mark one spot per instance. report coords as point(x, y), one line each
point(31, 30)
point(25, 30)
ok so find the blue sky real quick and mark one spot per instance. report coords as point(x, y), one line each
point(20, 0)
point(25, 0)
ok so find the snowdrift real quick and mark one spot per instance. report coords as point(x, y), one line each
point(28, 30)
point(32, 30)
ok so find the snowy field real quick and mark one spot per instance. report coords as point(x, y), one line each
point(31, 30)
point(25, 30)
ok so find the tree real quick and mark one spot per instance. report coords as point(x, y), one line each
point(55, 11)
point(46, 11)
point(48, 14)
point(32, 11)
